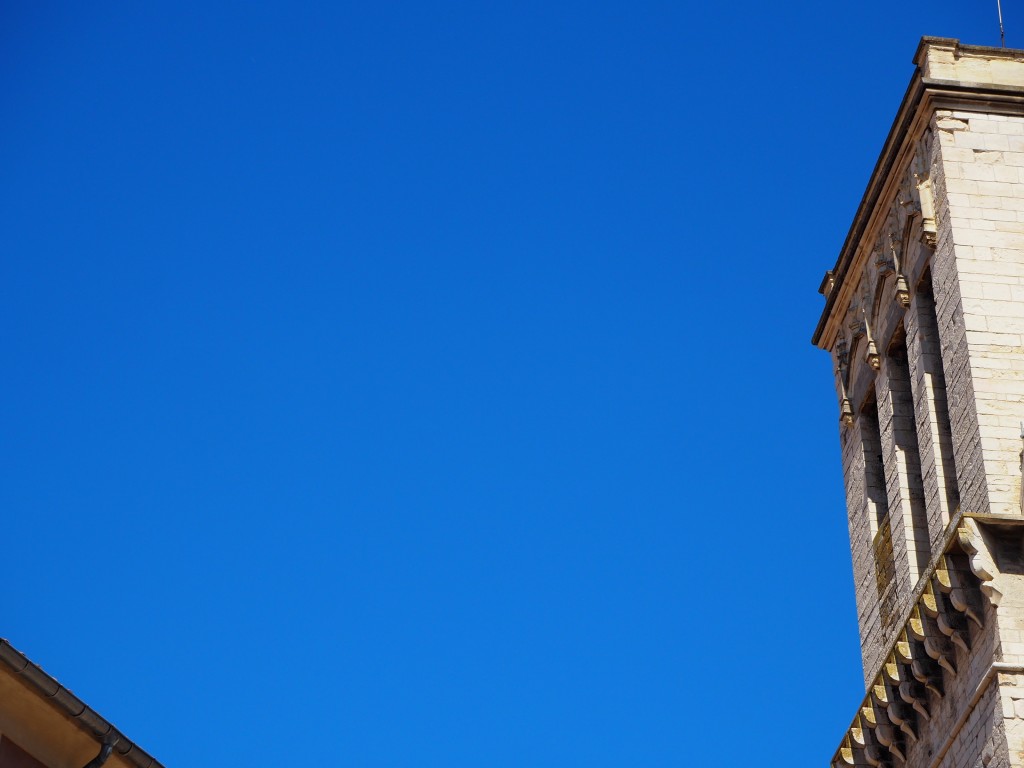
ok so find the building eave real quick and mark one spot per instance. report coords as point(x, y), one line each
point(64, 701)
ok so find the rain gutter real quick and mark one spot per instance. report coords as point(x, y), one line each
point(109, 738)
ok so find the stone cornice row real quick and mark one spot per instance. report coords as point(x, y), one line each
point(950, 595)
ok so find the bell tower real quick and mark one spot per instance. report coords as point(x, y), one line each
point(924, 322)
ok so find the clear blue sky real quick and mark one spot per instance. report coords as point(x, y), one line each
point(429, 384)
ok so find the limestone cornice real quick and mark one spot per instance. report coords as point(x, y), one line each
point(925, 94)
point(951, 592)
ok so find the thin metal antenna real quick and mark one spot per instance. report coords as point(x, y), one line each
point(1002, 33)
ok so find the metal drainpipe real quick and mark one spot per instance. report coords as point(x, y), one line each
point(105, 750)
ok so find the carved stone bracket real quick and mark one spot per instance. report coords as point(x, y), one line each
point(929, 230)
point(845, 411)
point(871, 355)
point(950, 622)
point(843, 375)
point(890, 735)
point(921, 184)
point(902, 292)
point(860, 326)
point(887, 692)
point(898, 669)
point(860, 747)
point(979, 557)
point(936, 645)
point(951, 583)
point(884, 263)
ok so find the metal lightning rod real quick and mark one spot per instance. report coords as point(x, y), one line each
point(1002, 33)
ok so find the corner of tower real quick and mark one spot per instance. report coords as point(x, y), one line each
point(924, 323)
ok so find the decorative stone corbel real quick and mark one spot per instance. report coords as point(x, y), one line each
point(860, 324)
point(871, 354)
point(963, 597)
point(902, 651)
point(843, 374)
point(919, 187)
point(899, 714)
point(859, 327)
point(979, 558)
point(845, 411)
point(928, 674)
point(926, 671)
point(891, 670)
point(875, 751)
point(855, 321)
point(891, 738)
point(884, 263)
point(899, 671)
point(902, 289)
point(916, 695)
point(850, 753)
point(844, 756)
point(929, 230)
point(950, 623)
point(936, 645)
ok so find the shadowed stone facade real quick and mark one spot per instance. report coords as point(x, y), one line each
point(924, 320)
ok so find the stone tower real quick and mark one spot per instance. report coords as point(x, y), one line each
point(924, 319)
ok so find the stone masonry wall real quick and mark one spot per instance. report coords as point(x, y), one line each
point(979, 290)
point(953, 344)
point(981, 742)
